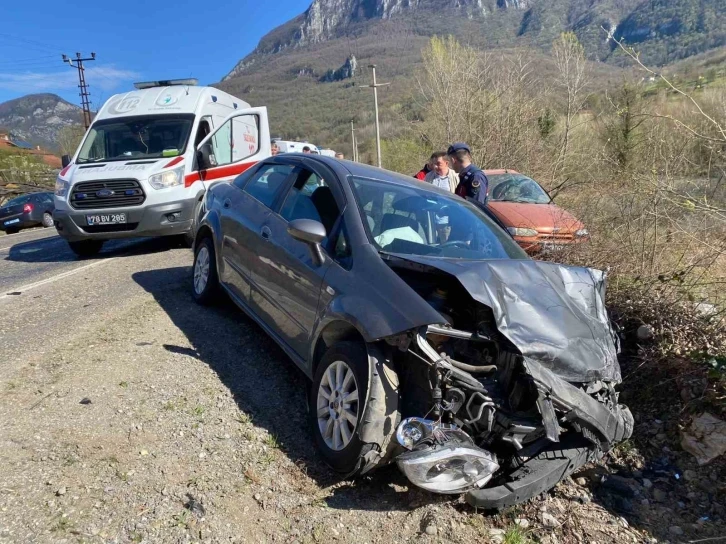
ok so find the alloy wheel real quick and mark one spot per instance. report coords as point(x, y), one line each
point(338, 404)
point(201, 270)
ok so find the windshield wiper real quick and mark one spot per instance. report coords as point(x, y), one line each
point(86, 161)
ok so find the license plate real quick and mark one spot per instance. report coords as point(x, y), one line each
point(106, 219)
point(549, 246)
point(12, 222)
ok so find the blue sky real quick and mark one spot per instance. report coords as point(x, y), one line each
point(134, 40)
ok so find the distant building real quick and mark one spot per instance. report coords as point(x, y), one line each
point(10, 141)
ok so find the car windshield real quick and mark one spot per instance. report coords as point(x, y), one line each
point(516, 188)
point(140, 137)
point(409, 220)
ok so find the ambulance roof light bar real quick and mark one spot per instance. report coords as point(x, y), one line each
point(166, 83)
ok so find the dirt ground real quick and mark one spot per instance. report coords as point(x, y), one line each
point(129, 414)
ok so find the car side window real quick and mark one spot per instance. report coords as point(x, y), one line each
point(241, 180)
point(267, 182)
point(310, 197)
point(340, 248)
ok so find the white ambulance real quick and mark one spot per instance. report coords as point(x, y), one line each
point(145, 162)
point(287, 146)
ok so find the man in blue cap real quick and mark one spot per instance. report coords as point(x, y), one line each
point(473, 183)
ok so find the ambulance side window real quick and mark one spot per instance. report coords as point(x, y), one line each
point(236, 140)
point(205, 127)
point(222, 144)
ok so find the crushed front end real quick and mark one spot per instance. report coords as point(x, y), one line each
point(489, 414)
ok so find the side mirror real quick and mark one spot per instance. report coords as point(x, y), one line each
point(65, 160)
point(309, 232)
point(205, 157)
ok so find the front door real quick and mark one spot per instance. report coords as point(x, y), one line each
point(240, 141)
point(288, 280)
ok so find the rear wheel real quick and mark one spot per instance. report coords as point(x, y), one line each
point(12, 231)
point(47, 219)
point(205, 283)
point(86, 248)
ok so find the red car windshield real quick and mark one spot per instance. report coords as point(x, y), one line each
point(516, 188)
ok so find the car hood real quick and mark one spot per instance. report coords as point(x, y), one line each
point(554, 314)
point(541, 217)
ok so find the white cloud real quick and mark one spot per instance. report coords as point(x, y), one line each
point(105, 78)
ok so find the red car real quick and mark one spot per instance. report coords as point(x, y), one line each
point(536, 223)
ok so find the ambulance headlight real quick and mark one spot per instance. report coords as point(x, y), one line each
point(61, 187)
point(168, 178)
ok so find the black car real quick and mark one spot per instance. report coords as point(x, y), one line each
point(23, 212)
point(429, 336)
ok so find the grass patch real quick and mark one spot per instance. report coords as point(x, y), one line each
point(124, 384)
point(271, 441)
point(198, 410)
point(244, 419)
point(62, 525)
point(516, 535)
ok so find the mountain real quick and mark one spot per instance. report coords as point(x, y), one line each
point(38, 118)
point(664, 30)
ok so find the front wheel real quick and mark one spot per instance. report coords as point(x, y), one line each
point(337, 402)
point(86, 248)
point(205, 283)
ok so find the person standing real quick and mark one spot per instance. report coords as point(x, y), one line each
point(339, 156)
point(473, 183)
point(442, 176)
point(421, 174)
point(307, 150)
point(274, 149)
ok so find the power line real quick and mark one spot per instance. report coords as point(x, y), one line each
point(84, 94)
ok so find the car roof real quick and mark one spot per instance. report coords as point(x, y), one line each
point(372, 172)
point(495, 171)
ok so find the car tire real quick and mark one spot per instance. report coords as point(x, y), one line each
point(205, 281)
point(47, 220)
point(86, 248)
point(353, 449)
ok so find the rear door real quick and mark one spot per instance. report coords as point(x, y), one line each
point(245, 210)
point(240, 141)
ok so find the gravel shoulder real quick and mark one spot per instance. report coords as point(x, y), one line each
point(129, 414)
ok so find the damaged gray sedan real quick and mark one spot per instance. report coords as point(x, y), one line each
point(430, 338)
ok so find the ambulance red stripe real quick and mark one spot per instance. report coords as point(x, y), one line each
point(217, 173)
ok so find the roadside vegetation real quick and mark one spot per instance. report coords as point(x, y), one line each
point(642, 162)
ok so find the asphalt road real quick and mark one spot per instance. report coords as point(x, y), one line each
point(48, 295)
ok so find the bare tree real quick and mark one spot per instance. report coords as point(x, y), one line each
point(69, 138)
point(569, 57)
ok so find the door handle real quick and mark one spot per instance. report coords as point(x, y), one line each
point(266, 233)
point(227, 203)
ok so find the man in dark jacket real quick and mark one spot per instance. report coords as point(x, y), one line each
point(473, 183)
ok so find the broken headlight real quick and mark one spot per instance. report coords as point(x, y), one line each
point(448, 469)
point(444, 458)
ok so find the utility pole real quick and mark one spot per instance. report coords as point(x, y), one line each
point(355, 144)
point(375, 98)
point(84, 94)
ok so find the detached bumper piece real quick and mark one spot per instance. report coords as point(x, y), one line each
point(535, 476)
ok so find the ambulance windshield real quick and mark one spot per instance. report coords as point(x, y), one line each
point(140, 137)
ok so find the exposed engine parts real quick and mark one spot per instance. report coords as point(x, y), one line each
point(498, 399)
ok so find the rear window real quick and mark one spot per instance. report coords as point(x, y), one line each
point(19, 200)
